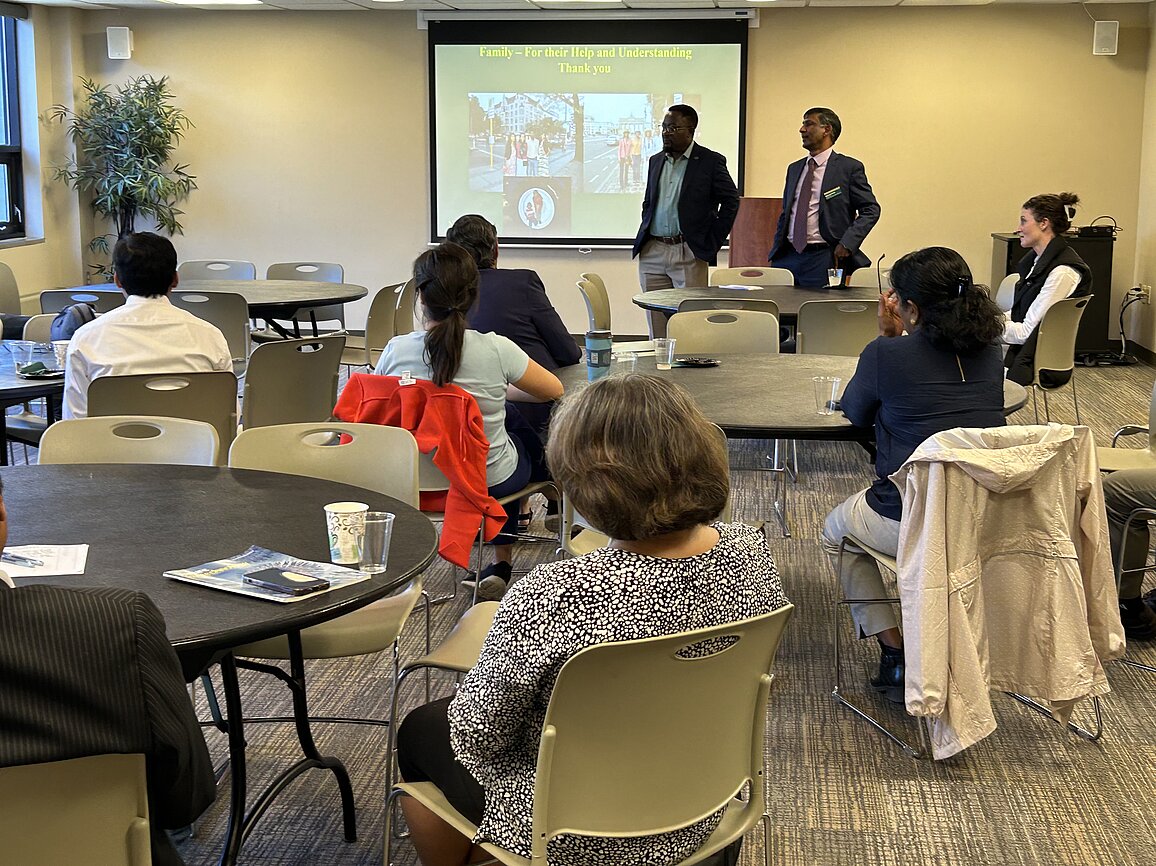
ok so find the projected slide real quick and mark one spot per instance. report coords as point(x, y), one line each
point(551, 141)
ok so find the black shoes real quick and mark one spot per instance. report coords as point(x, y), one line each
point(493, 581)
point(889, 681)
point(1138, 616)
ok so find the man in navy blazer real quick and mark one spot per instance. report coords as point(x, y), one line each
point(687, 212)
point(840, 207)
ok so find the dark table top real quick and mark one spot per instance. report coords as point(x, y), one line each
point(767, 396)
point(15, 389)
point(285, 295)
point(789, 298)
point(140, 521)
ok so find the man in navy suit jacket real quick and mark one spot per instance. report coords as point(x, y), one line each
point(687, 212)
point(840, 210)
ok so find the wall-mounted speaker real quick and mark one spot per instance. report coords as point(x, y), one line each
point(120, 43)
point(1105, 36)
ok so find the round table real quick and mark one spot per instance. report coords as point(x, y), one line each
point(16, 389)
point(789, 298)
point(270, 298)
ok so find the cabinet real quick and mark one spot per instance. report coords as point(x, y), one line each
point(1097, 253)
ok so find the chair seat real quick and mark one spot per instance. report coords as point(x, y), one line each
point(460, 650)
point(1115, 459)
point(26, 427)
point(370, 629)
point(586, 541)
point(429, 795)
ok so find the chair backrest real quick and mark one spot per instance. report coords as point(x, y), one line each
point(292, 381)
point(84, 810)
point(210, 397)
point(103, 299)
point(665, 730)
point(318, 272)
point(383, 459)
point(1005, 294)
point(724, 332)
point(597, 300)
point(751, 276)
point(379, 324)
point(836, 327)
point(9, 291)
point(403, 316)
point(217, 269)
point(130, 439)
point(1056, 344)
point(38, 329)
point(763, 305)
point(227, 310)
point(870, 278)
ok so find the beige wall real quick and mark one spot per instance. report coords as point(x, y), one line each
point(1142, 319)
point(311, 127)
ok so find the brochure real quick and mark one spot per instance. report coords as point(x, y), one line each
point(229, 574)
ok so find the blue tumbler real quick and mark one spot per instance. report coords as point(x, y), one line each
point(597, 354)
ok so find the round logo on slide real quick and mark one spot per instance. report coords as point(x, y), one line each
point(536, 208)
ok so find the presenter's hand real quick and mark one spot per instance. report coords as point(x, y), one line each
point(841, 252)
point(890, 323)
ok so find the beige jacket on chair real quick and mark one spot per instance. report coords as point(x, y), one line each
point(1005, 575)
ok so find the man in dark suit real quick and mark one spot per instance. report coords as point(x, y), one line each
point(91, 672)
point(687, 212)
point(839, 207)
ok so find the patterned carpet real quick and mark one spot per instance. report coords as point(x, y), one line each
point(839, 793)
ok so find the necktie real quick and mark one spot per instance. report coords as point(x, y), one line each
point(802, 206)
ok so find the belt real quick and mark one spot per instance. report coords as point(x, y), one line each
point(675, 239)
point(818, 246)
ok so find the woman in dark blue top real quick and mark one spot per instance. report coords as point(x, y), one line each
point(945, 372)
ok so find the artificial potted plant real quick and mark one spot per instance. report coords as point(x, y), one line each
point(124, 139)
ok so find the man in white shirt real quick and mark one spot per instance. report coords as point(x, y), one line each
point(148, 334)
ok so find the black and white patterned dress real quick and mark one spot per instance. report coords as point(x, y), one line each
point(548, 616)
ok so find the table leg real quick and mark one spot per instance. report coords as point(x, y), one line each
point(234, 724)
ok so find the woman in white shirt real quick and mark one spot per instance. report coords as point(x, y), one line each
point(491, 368)
point(1050, 272)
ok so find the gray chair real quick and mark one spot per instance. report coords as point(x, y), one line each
point(403, 314)
point(39, 328)
point(363, 351)
point(766, 305)
point(9, 291)
point(1005, 294)
point(83, 810)
point(1056, 350)
point(292, 381)
point(228, 311)
point(130, 439)
point(209, 397)
point(724, 332)
point(318, 272)
point(835, 327)
point(1114, 459)
point(103, 298)
point(217, 269)
point(751, 276)
point(597, 300)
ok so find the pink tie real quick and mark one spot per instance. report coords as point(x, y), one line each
point(802, 206)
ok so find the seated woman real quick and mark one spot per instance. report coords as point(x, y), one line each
point(668, 569)
point(1051, 272)
point(945, 372)
point(491, 368)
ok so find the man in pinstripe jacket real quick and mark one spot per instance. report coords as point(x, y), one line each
point(90, 672)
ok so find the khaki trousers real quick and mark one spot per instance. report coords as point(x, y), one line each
point(668, 266)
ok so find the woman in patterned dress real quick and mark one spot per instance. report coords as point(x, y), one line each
point(640, 461)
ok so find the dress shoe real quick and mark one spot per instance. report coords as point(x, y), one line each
point(1138, 617)
point(889, 681)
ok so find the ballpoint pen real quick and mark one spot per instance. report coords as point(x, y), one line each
point(17, 559)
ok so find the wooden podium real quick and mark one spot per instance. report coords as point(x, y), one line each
point(753, 231)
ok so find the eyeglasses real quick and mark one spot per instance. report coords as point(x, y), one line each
point(669, 128)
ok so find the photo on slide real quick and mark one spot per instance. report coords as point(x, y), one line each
point(536, 206)
point(602, 141)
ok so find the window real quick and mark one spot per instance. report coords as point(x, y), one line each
point(11, 158)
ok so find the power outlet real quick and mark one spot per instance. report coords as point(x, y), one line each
point(1145, 294)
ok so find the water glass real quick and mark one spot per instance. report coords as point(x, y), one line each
point(375, 543)
point(663, 352)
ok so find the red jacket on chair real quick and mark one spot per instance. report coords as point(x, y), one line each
point(446, 419)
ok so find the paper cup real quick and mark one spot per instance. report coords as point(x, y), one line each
point(346, 524)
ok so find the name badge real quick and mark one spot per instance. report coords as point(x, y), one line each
point(831, 193)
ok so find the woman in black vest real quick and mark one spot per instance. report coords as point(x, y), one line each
point(1050, 272)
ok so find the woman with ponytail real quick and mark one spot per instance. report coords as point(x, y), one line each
point(489, 367)
point(1050, 272)
point(944, 372)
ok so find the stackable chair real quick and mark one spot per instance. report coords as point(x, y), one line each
point(1056, 350)
point(9, 291)
point(762, 305)
point(379, 329)
point(751, 276)
point(1113, 459)
point(217, 269)
point(1005, 293)
point(1138, 515)
point(833, 327)
point(724, 331)
point(130, 439)
point(625, 731)
point(292, 381)
point(102, 298)
point(317, 272)
point(83, 810)
point(229, 312)
point(597, 299)
point(210, 397)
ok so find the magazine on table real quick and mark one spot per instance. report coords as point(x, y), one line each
point(229, 574)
